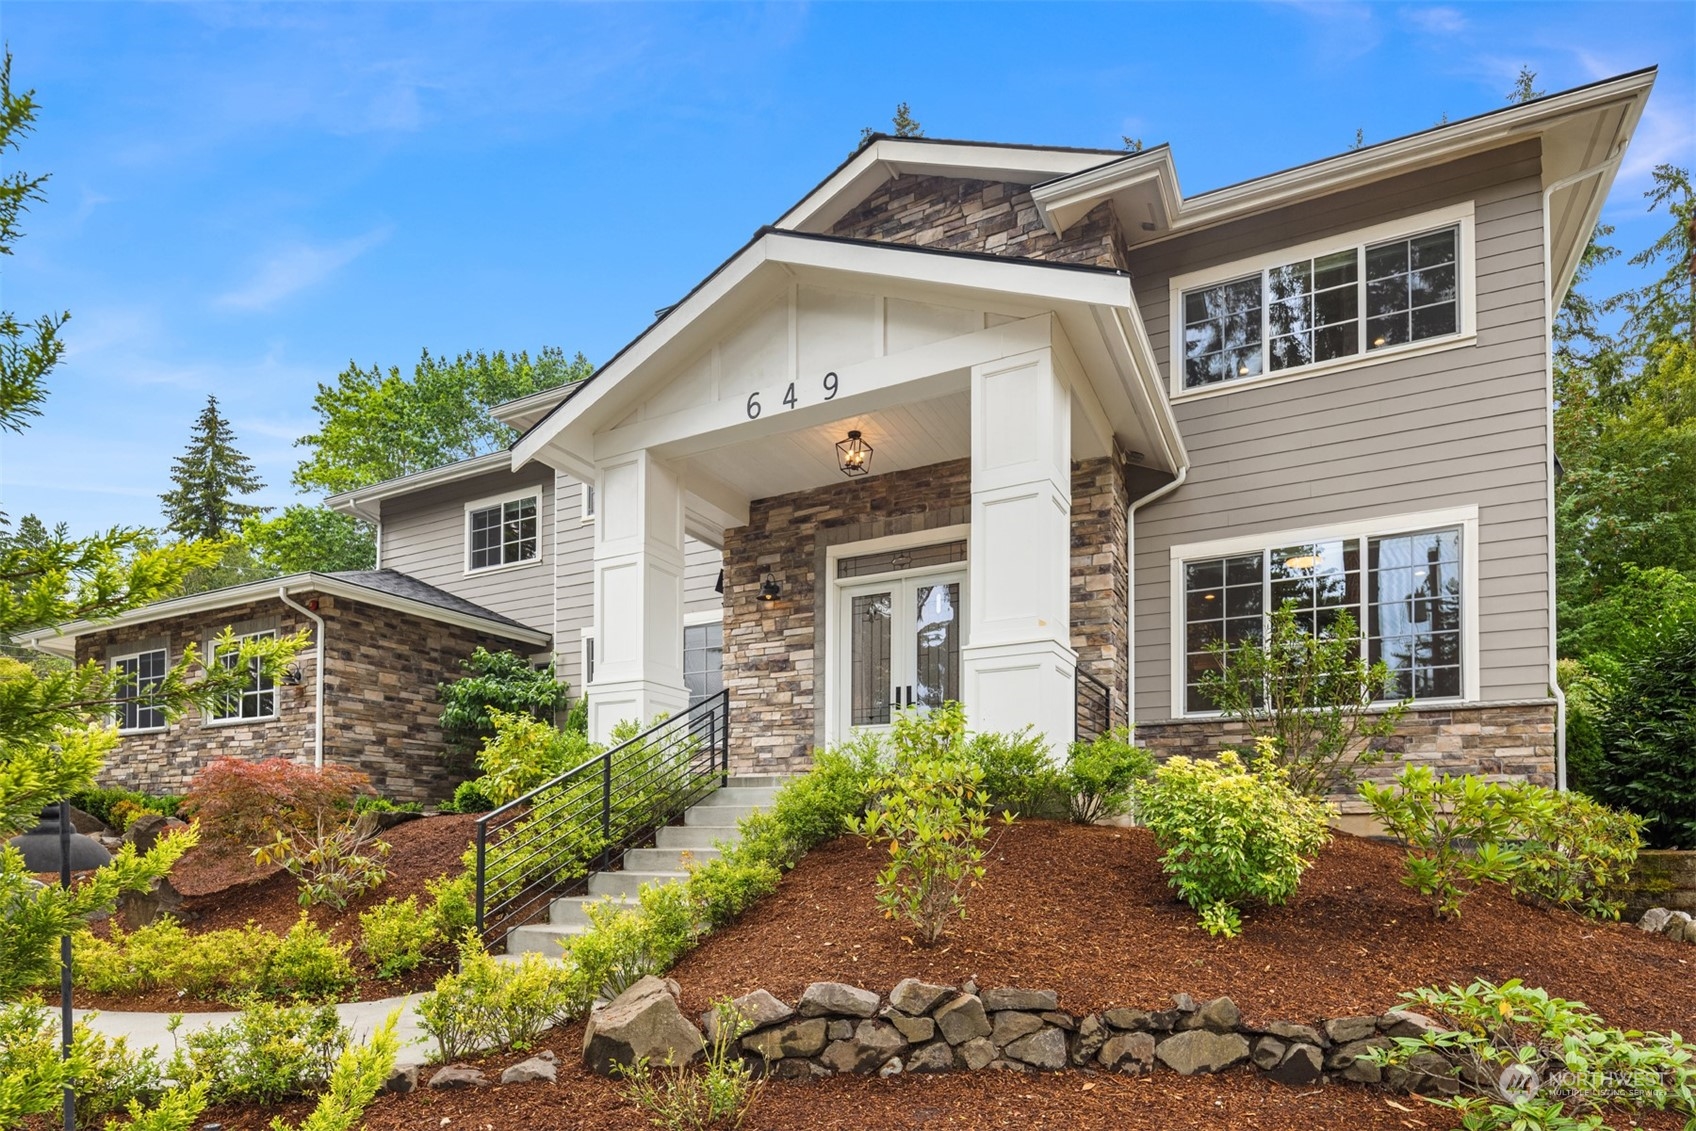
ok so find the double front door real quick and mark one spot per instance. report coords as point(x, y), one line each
point(900, 646)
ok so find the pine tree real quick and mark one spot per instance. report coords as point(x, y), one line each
point(210, 477)
point(1524, 87)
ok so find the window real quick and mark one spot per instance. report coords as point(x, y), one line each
point(1303, 311)
point(703, 660)
point(1403, 590)
point(588, 659)
point(588, 501)
point(258, 700)
point(139, 675)
point(502, 533)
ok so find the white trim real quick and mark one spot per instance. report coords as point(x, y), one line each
point(501, 501)
point(1461, 216)
point(209, 719)
point(365, 502)
point(1465, 518)
point(932, 537)
point(708, 616)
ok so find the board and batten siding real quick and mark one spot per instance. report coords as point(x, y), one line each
point(1458, 427)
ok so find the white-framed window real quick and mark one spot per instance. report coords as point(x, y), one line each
point(1355, 299)
point(139, 673)
point(502, 532)
point(1409, 582)
point(255, 702)
point(703, 659)
point(588, 658)
point(588, 502)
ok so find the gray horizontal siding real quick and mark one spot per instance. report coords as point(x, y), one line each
point(1466, 426)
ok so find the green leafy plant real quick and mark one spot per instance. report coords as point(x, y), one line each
point(334, 861)
point(1101, 776)
point(468, 797)
point(720, 1094)
point(1231, 835)
point(116, 808)
point(239, 802)
point(359, 1074)
point(163, 955)
point(1574, 852)
point(175, 1110)
point(1647, 727)
point(265, 1054)
point(495, 681)
point(1018, 776)
point(105, 1072)
point(623, 944)
point(1568, 1063)
point(523, 752)
point(397, 936)
point(488, 1004)
point(306, 966)
point(1309, 702)
point(722, 888)
point(384, 805)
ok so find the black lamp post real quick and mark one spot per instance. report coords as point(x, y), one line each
point(53, 846)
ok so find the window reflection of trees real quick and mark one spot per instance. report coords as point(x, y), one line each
point(937, 678)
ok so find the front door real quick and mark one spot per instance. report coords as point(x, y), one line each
point(900, 642)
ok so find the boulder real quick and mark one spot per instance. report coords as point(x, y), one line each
point(974, 1054)
point(797, 1070)
point(1680, 927)
point(1092, 1034)
point(917, 998)
point(1301, 1066)
point(933, 1057)
point(643, 1022)
point(962, 1019)
point(538, 1068)
point(1130, 1020)
point(839, 1030)
point(455, 1076)
point(1034, 1001)
point(403, 1078)
point(891, 1067)
point(1184, 1003)
point(871, 1047)
point(917, 1030)
point(1654, 920)
point(1219, 1014)
point(1342, 1030)
point(1045, 1049)
point(1345, 1059)
point(1201, 1050)
point(1428, 1073)
point(1128, 1052)
point(792, 1039)
point(1009, 1025)
point(144, 832)
point(1406, 1023)
point(1060, 1019)
point(136, 909)
point(88, 824)
point(1269, 1053)
point(822, 999)
point(1289, 1031)
point(759, 1010)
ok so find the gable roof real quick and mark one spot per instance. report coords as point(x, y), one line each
point(385, 588)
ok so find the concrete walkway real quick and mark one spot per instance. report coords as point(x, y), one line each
point(146, 1030)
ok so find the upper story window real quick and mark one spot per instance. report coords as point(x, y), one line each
point(257, 700)
point(1309, 307)
point(502, 533)
point(138, 675)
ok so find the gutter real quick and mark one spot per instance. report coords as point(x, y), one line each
point(1131, 567)
point(1606, 167)
point(317, 675)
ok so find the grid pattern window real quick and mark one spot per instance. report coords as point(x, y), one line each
point(703, 661)
point(503, 533)
point(892, 561)
point(1406, 598)
point(258, 700)
point(138, 675)
point(1311, 311)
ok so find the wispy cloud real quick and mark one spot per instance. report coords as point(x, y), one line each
point(1338, 28)
point(292, 269)
point(1435, 21)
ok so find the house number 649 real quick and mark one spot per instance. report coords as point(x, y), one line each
point(789, 399)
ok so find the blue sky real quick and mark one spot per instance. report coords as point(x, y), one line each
point(244, 198)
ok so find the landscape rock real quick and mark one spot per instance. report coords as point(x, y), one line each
point(1060, 1019)
point(539, 1067)
point(797, 1069)
point(1034, 1001)
point(1342, 1030)
point(1345, 1059)
point(974, 1054)
point(917, 1030)
point(1269, 1053)
point(969, 986)
point(1289, 1031)
point(1680, 927)
point(841, 1030)
point(643, 1022)
point(1406, 1023)
point(1654, 920)
point(1220, 1015)
point(833, 998)
point(758, 1009)
point(1092, 1034)
point(891, 1068)
point(402, 1079)
point(1301, 1066)
point(934, 1057)
point(1201, 1050)
point(1009, 1025)
point(1427, 1073)
point(871, 1046)
point(917, 998)
point(455, 1076)
point(1184, 1003)
point(1045, 1050)
point(144, 832)
point(136, 909)
point(1131, 1020)
point(88, 824)
point(1128, 1052)
point(792, 1039)
point(962, 1019)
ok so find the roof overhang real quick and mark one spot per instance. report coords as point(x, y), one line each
point(366, 502)
point(523, 413)
point(62, 639)
point(1581, 129)
point(1094, 306)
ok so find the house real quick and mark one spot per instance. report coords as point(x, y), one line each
point(1029, 428)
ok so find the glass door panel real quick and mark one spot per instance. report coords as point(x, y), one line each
point(936, 643)
point(871, 676)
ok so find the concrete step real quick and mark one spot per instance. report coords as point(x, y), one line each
point(723, 815)
point(667, 859)
point(738, 795)
point(544, 939)
point(570, 910)
point(761, 781)
point(629, 884)
point(695, 837)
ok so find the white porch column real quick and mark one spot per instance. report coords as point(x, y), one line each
point(638, 594)
point(1019, 663)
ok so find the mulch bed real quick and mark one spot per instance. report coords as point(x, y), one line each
point(223, 888)
point(1086, 911)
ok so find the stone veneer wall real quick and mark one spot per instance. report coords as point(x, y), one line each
point(1503, 742)
point(957, 214)
point(775, 652)
point(380, 680)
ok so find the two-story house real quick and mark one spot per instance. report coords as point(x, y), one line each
point(1028, 428)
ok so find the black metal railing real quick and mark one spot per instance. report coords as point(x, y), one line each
point(544, 844)
point(1094, 707)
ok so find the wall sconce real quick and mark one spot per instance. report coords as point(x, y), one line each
point(770, 590)
point(853, 455)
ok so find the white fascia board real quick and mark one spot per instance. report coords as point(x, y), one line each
point(524, 412)
point(365, 501)
point(1063, 201)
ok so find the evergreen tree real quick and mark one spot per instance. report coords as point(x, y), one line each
point(1524, 87)
point(210, 477)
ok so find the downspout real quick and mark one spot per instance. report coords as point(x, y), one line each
point(1549, 375)
point(1131, 588)
point(318, 676)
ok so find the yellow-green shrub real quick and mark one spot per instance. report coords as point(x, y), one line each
point(306, 966)
point(162, 955)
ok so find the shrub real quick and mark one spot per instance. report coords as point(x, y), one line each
point(384, 805)
point(933, 815)
point(1017, 774)
point(359, 1074)
point(468, 797)
point(722, 1092)
point(334, 862)
point(1306, 700)
point(623, 944)
point(818, 805)
point(1231, 836)
point(163, 955)
point(453, 907)
point(721, 889)
point(1490, 1034)
point(265, 1054)
point(176, 1110)
point(524, 752)
point(502, 681)
point(116, 808)
point(106, 1074)
point(488, 1004)
point(306, 966)
point(250, 803)
point(396, 936)
point(1647, 726)
point(1574, 851)
point(577, 719)
point(1101, 776)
